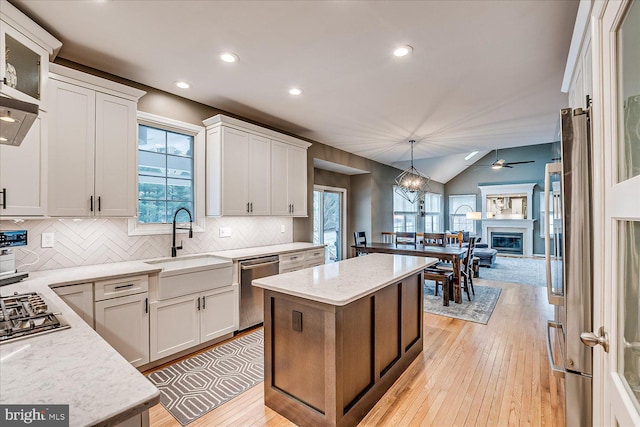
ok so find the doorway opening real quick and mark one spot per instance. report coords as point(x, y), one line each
point(329, 221)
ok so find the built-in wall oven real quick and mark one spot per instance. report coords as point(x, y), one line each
point(251, 297)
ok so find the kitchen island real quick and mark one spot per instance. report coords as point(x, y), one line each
point(337, 336)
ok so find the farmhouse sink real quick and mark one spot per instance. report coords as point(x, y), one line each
point(190, 275)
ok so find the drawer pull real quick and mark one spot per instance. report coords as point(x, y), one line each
point(124, 286)
point(294, 257)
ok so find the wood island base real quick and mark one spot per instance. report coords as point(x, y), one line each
point(328, 365)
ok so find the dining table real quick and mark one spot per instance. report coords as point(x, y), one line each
point(449, 253)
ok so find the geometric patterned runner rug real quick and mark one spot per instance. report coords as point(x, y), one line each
point(195, 386)
point(478, 310)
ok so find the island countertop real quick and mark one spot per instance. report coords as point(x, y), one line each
point(343, 282)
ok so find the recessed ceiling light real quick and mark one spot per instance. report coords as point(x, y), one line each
point(229, 57)
point(295, 91)
point(402, 50)
point(8, 118)
point(2, 138)
point(183, 85)
point(470, 155)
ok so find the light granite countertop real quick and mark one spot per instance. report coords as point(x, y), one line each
point(343, 282)
point(258, 251)
point(76, 366)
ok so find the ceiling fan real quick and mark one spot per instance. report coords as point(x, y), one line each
point(502, 163)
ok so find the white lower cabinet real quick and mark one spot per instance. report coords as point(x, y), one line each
point(175, 325)
point(184, 322)
point(124, 323)
point(80, 298)
point(220, 312)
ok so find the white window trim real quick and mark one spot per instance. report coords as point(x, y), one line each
point(198, 133)
point(452, 214)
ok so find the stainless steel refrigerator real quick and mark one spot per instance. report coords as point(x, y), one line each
point(569, 258)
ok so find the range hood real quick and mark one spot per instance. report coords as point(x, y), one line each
point(16, 118)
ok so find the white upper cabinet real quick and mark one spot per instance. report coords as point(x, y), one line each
point(92, 146)
point(24, 69)
point(27, 50)
point(289, 181)
point(244, 172)
point(250, 169)
point(23, 173)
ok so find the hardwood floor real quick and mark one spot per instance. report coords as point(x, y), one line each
point(468, 375)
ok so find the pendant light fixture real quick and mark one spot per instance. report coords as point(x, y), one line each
point(411, 184)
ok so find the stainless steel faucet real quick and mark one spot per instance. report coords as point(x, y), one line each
point(174, 248)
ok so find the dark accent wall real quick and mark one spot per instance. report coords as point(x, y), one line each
point(468, 180)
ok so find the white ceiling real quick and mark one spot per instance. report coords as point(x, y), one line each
point(483, 74)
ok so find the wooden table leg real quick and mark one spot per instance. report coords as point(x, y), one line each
point(457, 294)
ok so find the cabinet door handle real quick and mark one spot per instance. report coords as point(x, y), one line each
point(91, 202)
point(251, 206)
point(247, 207)
point(203, 303)
point(99, 204)
point(124, 286)
point(198, 303)
point(4, 198)
point(146, 305)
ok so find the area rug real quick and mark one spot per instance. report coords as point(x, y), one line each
point(525, 271)
point(478, 310)
point(195, 386)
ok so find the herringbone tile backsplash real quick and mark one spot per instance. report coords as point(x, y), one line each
point(100, 241)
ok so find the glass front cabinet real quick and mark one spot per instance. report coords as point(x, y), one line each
point(27, 50)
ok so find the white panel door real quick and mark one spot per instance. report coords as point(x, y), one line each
point(616, 120)
point(80, 298)
point(175, 325)
point(259, 176)
point(220, 312)
point(297, 179)
point(71, 149)
point(235, 175)
point(279, 189)
point(23, 173)
point(124, 323)
point(115, 172)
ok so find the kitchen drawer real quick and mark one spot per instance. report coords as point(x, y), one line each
point(310, 264)
point(316, 255)
point(291, 258)
point(295, 266)
point(106, 289)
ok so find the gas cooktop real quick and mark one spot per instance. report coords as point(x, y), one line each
point(24, 315)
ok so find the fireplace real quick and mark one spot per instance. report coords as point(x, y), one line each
point(507, 243)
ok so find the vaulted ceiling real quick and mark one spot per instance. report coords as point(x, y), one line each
point(482, 74)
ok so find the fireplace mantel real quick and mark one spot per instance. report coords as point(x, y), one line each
point(524, 226)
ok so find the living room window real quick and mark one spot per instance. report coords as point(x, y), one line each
point(405, 213)
point(170, 174)
point(433, 213)
point(459, 206)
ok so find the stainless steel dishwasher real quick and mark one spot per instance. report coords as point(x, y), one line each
point(252, 298)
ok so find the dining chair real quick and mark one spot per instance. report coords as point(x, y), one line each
point(466, 269)
point(434, 239)
point(405, 238)
point(360, 240)
point(454, 238)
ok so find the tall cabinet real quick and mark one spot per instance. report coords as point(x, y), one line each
point(93, 140)
point(252, 170)
point(27, 50)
